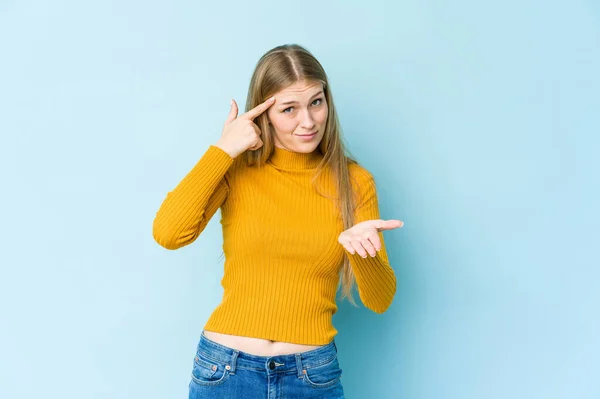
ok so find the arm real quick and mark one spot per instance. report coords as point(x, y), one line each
point(375, 279)
point(188, 208)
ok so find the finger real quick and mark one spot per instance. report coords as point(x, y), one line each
point(256, 128)
point(233, 110)
point(257, 145)
point(368, 246)
point(259, 109)
point(358, 248)
point(349, 248)
point(375, 241)
point(388, 224)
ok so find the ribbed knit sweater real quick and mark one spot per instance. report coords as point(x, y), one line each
point(282, 258)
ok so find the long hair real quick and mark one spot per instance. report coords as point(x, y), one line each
point(278, 68)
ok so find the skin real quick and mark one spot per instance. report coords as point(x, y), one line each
point(306, 113)
point(299, 109)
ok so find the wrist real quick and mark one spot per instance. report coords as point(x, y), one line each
point(223, 147)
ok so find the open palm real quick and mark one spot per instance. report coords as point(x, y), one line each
point(363, 237)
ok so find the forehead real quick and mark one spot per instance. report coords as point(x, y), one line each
point(299, 89)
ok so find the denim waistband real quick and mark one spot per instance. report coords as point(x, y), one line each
point(235, 358)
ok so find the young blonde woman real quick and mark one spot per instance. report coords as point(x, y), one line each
point(299, 217)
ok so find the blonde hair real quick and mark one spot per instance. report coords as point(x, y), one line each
point(278, 68)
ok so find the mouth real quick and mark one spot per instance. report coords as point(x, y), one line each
point(308, 135)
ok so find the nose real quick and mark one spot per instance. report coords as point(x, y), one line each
point(306, 120)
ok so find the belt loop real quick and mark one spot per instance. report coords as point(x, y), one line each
point(299, 365)
point(234, 357)
point(334, 345)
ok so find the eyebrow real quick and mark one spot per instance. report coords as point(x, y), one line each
point(295, 102)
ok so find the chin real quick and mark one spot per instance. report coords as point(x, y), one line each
point(307, 147)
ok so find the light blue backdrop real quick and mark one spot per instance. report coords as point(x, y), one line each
point(479, 120)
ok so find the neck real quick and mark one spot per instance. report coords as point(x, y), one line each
point(287, 159)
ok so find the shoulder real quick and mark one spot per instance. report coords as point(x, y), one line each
point(237, 165)
point(360, 176)
point(363, 184)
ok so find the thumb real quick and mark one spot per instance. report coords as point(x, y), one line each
point(233, 111)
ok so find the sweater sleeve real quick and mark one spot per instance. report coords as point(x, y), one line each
point(188, 208)
point(375, 278)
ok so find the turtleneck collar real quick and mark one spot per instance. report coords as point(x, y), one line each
point(286, 159)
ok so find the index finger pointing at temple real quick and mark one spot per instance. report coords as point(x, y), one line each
point(259, 109)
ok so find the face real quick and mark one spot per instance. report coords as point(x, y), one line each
point(299, 109)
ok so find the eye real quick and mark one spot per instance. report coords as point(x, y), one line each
point(317, 99)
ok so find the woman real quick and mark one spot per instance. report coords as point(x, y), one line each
point(288, 236)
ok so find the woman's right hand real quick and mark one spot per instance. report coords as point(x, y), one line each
point(241, 133)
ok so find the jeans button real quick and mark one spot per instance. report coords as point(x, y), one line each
point(272, 365)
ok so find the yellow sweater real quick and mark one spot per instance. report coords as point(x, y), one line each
point(282, 257)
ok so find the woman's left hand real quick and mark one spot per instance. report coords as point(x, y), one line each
point(363, 237)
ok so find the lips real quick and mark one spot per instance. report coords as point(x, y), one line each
point(307, 135)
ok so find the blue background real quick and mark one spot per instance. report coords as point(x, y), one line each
point(479, 120)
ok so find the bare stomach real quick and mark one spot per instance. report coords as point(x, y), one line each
point(258, 346)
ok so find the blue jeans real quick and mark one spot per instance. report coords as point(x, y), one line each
point(223, 372)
